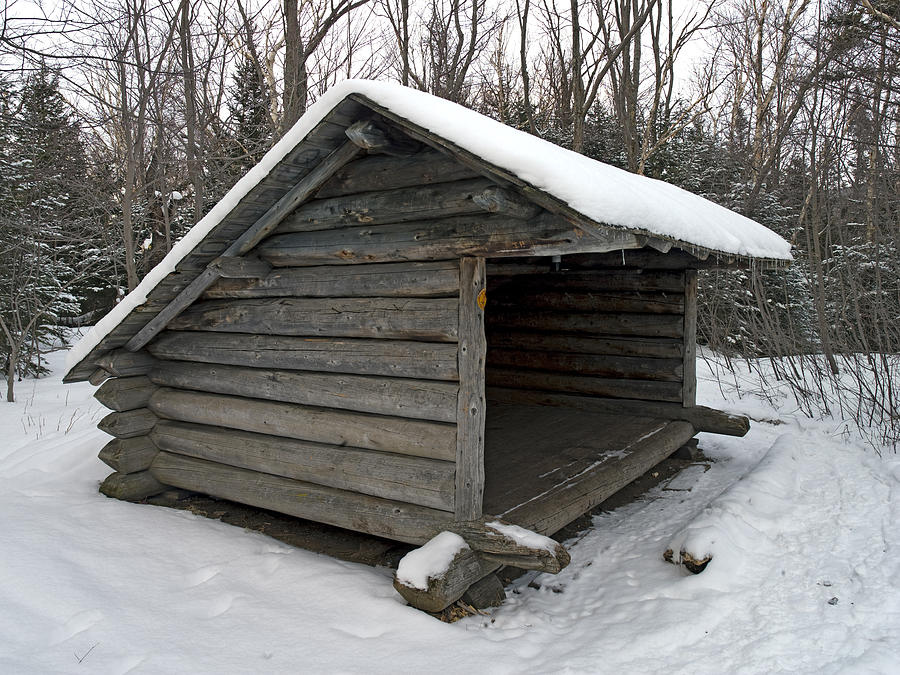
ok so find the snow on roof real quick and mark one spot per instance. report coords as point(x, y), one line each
point(600, 192)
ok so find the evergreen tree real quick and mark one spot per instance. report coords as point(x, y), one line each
point(251, 123)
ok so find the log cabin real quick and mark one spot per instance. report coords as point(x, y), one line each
point(409, 319)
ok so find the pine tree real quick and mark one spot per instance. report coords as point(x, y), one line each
point(250, 121)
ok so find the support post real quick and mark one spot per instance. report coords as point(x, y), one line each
point(689, 384)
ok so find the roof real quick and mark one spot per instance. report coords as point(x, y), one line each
point(591, 190)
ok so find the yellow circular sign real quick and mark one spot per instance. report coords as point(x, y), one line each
point(481, 299)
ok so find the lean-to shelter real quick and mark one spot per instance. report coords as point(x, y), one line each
point(410, 318)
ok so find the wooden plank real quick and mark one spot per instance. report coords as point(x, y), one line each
point(131, 486)
point(128, 424)
point(540, 275)
point(428, 319)
point(418, 399)
point(413, 480)
point(508, 544)
point(121, 363)
point(252, 236)
point(376, 137)
point(646, 390)
point(422, 202)
point(700, 417)
point(125, 393)
point(614, 346)
point(627, 367)
point(641, 325)
point(471, 402)
point(129, 455)
point(363, 513)
point(466, 569)
point(549, 512)
point(485, 236)
point(374, 173)
point(574, 300)
point(230, 267)
point(496, 199)
point(391, 358)
point(392, 280)
point(689, 390)
point(418, 438)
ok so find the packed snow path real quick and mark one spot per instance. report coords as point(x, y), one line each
point(805, 575)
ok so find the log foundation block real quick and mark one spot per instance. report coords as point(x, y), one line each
point(131, 486)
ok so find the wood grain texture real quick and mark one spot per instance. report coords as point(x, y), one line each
point(414, 480)
point(576, 300)
point(427, 319)
point(647, 390)
point(122, 363)
point(418, 438)
point(670, 348)
point(131, 486)
point(392, 280)
point(125, 393)
point(418, 399)
point(639, 325)
point(391, 358)
point(128, 424)
point(689, 391)
point(466, 568)
point(537, 275)
point(625, 367)
point(128, 455)
point(362, 513)
point(471, 408)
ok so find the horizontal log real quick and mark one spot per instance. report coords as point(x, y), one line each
point(496, 199)
point(556, 508)
point(646, 390)
point(487, 592)
point(362, 513)
point(98, 377)
point(418, 438)
point(540, 275)
point(123, 363)
point(392, 358)
point(414, 480)
point(231, 267)
point(480, 235)
point(628, 367)
point(642, 258)
point(131, 486)
point(369, 174)
point(393, 280)
point(589, 301)
point(128, 424)
point(700, 417)
point(624, 346)
point(129, 455)
point(508, 544)
point(375, 137)
point(428, 319)
point(643, 325)
point(125, 393)
point(419, 399)
point(421, 202)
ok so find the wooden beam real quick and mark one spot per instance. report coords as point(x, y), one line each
point(362, 513)
point(391, 358)
point(379, 138)
point(122, 363)
point(600, 365)
point(507, 544)
point(131, 487)
point(125, 393)
point(250, 238)
point(665, 348)
point(689, 390)
point(230, 267)
point(496, 199)
point(129, 455)
point(466, 569)
point(638, 325)
point(644, 390)
point(128, 424)
point(471, 406)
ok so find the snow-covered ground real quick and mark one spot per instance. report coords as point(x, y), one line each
point(803, 523)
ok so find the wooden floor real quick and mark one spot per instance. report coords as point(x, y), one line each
point(545, 466)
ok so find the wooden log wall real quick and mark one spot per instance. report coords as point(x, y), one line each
point(615, 332)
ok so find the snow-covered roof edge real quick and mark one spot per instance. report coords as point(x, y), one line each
point(600, 192)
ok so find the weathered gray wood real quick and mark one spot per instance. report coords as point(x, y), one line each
point(246, 241)
point(414, 480)
point(626, 367)
point(574, 300)
point(421, 202)
point(487, 592)
point(125, 393)
point(393, 358)
point(642, 258)
point(128, 424)
point(132, 486)
point(471, 407)
point(700, 417)
point(379, 138)
point(621, 346)
point(481, 235)
point(647, 390)
point(363, 513)
point(428, 319)
point(230, 267)
point(98, 377)
point(492, 544)
point(689, 390)
point(418, 399)
point(321, 425)
point(641, 325)
point(374, 173)
point(129, 455)
point(538, 275)
point(466, 568)
point(122, 363)
point(549, 512)
point(496, 199)
point(393, 280)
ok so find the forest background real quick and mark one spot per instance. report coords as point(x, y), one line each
point(122, 123)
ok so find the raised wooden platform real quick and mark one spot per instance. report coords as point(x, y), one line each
point(545, 466)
